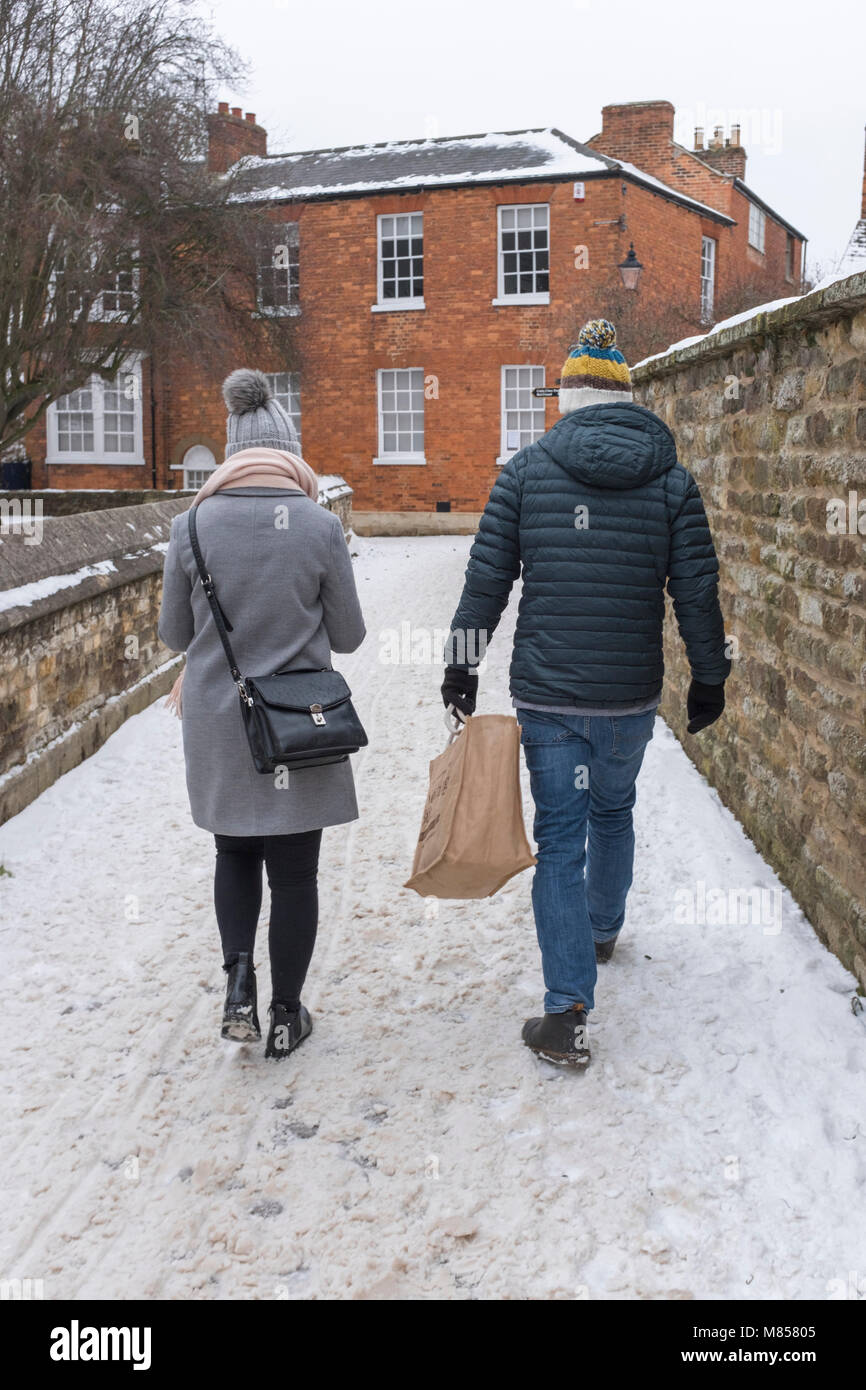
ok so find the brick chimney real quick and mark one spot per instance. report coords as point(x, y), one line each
point(726, 154)
point(231, 135)
point(640, 132)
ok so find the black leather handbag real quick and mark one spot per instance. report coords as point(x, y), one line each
point(293, 719)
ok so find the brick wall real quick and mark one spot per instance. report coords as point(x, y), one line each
point(460, 340)
point(643, 134)
point(770, 417)
point(232, 135)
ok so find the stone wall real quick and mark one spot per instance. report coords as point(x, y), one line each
point(770, 417)
point(68, 501)
point(79, 650)
point(334, 493)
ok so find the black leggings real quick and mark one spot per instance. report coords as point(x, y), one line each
point(292, 863)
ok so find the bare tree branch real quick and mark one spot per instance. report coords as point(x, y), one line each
point(117, 238)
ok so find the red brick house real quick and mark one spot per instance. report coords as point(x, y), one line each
point(436, 282)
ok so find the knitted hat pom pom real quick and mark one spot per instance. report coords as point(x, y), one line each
point(245, 390)
point(598, 333)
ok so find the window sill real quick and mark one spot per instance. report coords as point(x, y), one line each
point(388, 460)
point(111, 461)
point(291, 311)
point(516, 299)
point(505, 458)
point(397, 306)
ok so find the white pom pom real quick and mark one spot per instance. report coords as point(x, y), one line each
point(246, 389)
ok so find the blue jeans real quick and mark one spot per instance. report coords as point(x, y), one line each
point(582, 771)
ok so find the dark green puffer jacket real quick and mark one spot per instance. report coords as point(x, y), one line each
point(601, 516)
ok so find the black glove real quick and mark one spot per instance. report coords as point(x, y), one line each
point(704, 703)
point(459, 689)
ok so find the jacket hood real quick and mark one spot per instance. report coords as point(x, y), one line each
point(614, 446)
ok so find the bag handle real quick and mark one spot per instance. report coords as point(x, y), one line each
point(222, 623)
point(453, 723)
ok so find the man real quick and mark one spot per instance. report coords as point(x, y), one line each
point(601, 516)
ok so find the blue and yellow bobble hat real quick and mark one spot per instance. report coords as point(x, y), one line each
point(595, 368)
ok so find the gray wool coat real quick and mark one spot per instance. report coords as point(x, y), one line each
point(284, 579)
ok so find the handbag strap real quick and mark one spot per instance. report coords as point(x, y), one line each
point(222, 625)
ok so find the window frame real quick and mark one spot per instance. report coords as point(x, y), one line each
point(100, 314)
point(186, 469)
point(384, 457)
point(99, 455)
point(535, 296)
point(760, 222)
point(506, 453)
point(293, 410)
point(383, 305)
point(708, 300)
point(292, 232)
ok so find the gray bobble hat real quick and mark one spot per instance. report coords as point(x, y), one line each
point(255, 419)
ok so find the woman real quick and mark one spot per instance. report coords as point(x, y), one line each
point(284, 581)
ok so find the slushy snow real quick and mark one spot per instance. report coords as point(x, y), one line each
point(413, 1148)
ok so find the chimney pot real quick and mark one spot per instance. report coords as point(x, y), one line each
point(231, 138)
point(717, 136)
point(699, 137)
point(735, 135)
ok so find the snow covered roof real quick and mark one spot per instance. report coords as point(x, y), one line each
point(854, 255)
point(513, 156)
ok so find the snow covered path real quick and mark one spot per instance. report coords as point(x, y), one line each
point(413, 1148)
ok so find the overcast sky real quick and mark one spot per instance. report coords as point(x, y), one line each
point(339, 73)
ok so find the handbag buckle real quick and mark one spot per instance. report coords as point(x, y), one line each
point(316, 712)
point(245, 694)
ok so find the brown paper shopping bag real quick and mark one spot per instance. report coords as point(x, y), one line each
point(472, 838)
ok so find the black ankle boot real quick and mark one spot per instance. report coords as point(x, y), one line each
point(240, 1019)
point(559, 1038)
point(604, 950)
point(288, 1029)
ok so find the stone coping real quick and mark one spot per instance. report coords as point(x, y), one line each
point(121, 544)
point(843, 296)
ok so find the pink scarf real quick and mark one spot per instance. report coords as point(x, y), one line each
point(251, 468)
